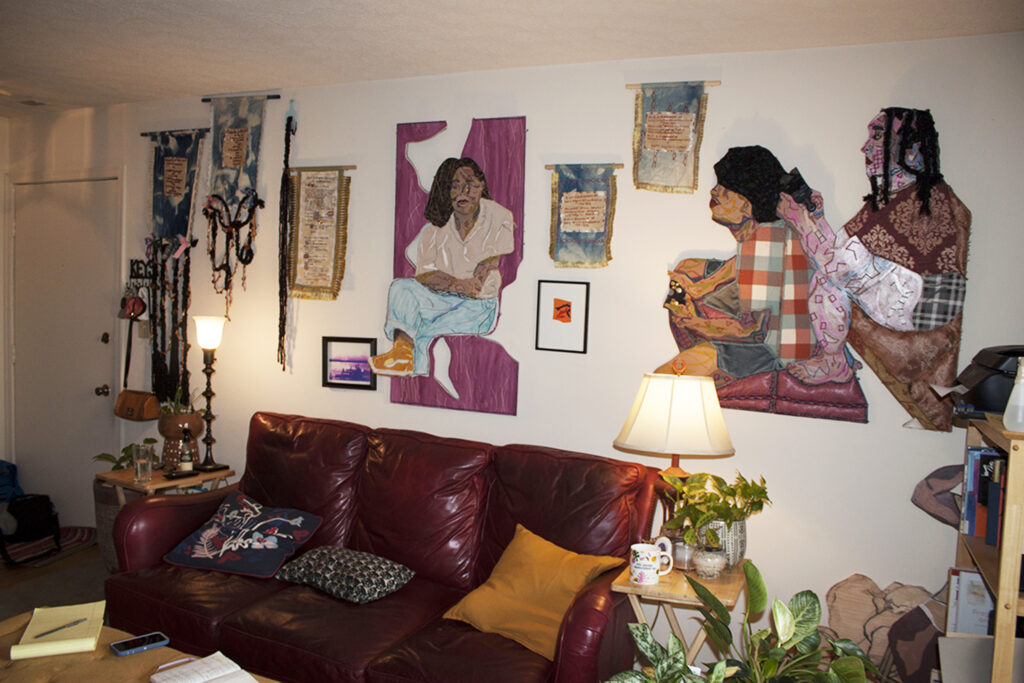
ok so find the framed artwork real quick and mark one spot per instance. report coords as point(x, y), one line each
point(346, 362)
point(562, 313)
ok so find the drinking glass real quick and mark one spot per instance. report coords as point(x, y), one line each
point(142, 454)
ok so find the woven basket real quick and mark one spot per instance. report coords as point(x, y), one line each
point(107, 507)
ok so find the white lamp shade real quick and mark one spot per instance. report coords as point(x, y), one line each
point(209, 329)
point(676, 415)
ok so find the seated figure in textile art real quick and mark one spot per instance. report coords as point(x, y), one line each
point(457, 282)
point(747, 314)
point(913, 218)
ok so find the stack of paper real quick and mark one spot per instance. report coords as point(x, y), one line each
point(216, 669)
point(61, 630)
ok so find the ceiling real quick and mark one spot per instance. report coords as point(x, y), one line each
point(80, 53)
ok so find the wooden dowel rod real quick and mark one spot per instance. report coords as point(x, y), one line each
point(637, 86)
point(551, 167)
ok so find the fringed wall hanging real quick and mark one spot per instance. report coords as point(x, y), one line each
point(582, 211)
point(283, 237)
point(168, 257)
point(233, 201)
point(667, 130)
point(319, 229)
point(459, 369)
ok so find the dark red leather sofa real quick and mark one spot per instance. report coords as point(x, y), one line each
point(444, 507)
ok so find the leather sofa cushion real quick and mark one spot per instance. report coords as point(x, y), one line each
point(582, 503)
point(455, 652)
point(309, 464)
point(187, 604)
point(421, 501)
point(314, 637)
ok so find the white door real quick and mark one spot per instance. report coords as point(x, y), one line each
point(66, 293)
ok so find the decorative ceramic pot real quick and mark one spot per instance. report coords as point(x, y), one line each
point(733, 540)
point(172, 426)
point(709, 562)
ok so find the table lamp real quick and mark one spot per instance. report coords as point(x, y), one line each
point(209, 330)
point(676, 415)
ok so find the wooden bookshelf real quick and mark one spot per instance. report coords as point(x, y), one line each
point(1000, 567)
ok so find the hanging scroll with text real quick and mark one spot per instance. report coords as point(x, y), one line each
point(319, 225)
point(667, 130)
point(231, 207)
point(582, 209)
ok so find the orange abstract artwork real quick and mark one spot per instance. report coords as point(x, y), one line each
point(562, 311)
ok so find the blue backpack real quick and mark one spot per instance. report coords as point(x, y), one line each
point(9, 481)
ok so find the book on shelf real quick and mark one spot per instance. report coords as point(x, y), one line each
point(968, 603)
point(61, 630)
point(979, 464)
point(217, 668)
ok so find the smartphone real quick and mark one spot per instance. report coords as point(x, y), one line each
point(130, 646)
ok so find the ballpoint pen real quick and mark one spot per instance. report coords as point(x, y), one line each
point(76, 622)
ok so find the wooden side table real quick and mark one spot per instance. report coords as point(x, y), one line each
point(125, 479)
point(674, 590)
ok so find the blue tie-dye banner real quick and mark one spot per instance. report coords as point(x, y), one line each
point(667, 130)
point(237, 125)
point(175, 161)
point(582, 209)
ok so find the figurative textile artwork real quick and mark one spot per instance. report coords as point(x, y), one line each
point(753, 321)
point(166, 271)
point(582, 211)
point(450, 272)
point(319, 228)
point(231, 207)
point(913, 220)
point(667, 130)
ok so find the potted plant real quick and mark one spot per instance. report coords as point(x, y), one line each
point(126, 460)
point(177, 415)
point(709, 512)
point(790, 649)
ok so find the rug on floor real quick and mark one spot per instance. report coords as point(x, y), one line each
point(72, 539)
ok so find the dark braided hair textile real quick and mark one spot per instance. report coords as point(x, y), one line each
point(916, 127)
point(753, 172)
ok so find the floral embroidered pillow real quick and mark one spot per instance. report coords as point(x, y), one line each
point(245, 537)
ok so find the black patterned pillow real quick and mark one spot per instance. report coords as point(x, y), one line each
point(347, 574)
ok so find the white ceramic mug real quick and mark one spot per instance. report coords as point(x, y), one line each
point(645, 563)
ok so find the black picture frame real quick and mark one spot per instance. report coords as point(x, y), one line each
point(346, 363)
point(554, 334)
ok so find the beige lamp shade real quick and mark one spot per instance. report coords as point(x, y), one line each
point(209, 329)
point(676, 415)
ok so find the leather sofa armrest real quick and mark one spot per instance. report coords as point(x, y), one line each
point(148, 528)
point(594, 643)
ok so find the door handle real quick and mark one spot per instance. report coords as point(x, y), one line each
point(103, 390)
point(105, 338)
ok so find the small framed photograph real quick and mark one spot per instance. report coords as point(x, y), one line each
point(346, 363)
point(562, 312)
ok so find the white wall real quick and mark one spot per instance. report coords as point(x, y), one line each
point(841, 491)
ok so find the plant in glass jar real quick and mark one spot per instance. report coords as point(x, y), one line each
point(705, 507)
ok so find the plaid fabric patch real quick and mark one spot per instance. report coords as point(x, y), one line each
point(942, 299)
point(774, 274)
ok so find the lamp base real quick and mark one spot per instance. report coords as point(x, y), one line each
point(675, 471)
point(212, 467)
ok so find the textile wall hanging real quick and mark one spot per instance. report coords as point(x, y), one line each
point(747, 320)
point(284, 230)
point(668, 124)
point(319, 228)
point(913, 220)
point(456, 248)
point(166, 270)
point(231, 207)
point(582, 211)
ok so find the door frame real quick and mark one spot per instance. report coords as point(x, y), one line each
point(7, 233)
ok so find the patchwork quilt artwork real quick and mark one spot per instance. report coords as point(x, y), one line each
point(667, 130)
point(245, 537)
point(456, 248)
point(766, 324)
point(582, 212)
point(233, 201)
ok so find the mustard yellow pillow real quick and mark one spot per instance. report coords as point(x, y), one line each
point(531, 588)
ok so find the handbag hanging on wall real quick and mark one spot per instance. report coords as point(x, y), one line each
point(130, 404)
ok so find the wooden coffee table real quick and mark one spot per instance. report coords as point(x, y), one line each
point(99, 665)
